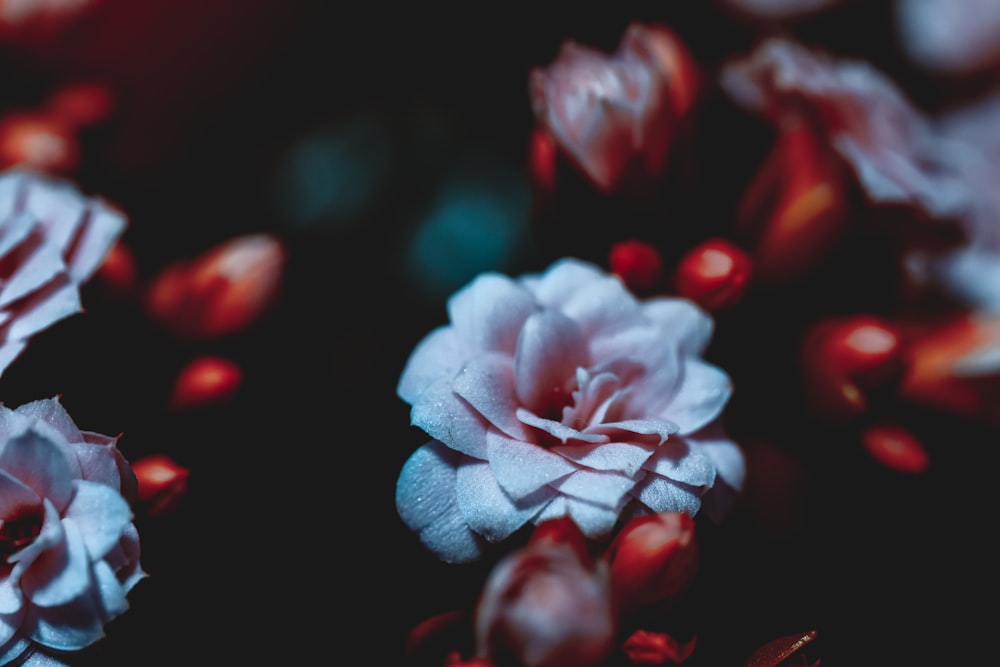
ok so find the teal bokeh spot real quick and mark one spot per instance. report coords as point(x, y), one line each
point(478, 222)
point(331, 177)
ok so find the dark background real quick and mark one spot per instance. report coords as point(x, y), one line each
point(287, 548)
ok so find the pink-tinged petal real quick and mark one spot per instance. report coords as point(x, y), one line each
point(626, 428)
point(624, 457)
point(726, 455)
point(689, 325)
point(56, 301)
point(487, 509)
point(60, 574)
point(15, 496)
point(112, 592)
point(51, 536)
point(607, 489)
point(699, 399)
point(604, 309)
point(9, 351)
point(561, 281)
point(447, 417)
point(549, 350)
point(41, 464)
point(487, 315)
point(522, 468)
point(678, 461)
point(14, 230)
point(487, 383)
point(98, 464)
point(100, 513)
point(558, 430)
point(43, 265)
point(101, 230)
point(51, 411)
point(436, 357)
point(426, 502)
point(660, 494)
point(594, 521)
point(57, 204)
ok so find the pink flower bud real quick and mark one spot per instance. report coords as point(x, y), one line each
point(206, 381)
point(542, 607)
point(653, 559)
point(162, 483)
point(715, 274)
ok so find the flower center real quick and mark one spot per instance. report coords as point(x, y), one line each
point(16, 533)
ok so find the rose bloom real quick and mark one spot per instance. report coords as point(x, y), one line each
point(560, 394)
point(69, 548)
point(616, 114)
point(52, 240)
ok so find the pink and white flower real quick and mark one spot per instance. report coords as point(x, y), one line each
point(52, 240)
point(560, 394)
point(69, 551)
point(616, 115)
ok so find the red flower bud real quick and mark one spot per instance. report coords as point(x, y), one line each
point(38, 142)
point(117, 272)
point(638, 264)
point(162, 483)
point(843, 358)
point(794, 209)
point(544, 162)
point(81, 104)
point(652, 559)
point(953, 366)
point(656, 648)
point(895, 447)
point(715, 274)
point(205, 381)
point(778, 650)
point(221, 292)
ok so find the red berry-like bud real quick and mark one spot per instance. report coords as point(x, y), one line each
point(653, 559)
point(895, 447)
point(162, 483)
point(715, 274)
point(206, 381)
point(637, 263)
point(656, 648)
point(38, 142)
point(81, 104)
point(843, 358)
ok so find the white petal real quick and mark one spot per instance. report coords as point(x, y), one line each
point(660, 494)
point(488, 314)
point(40, 268)
point(682, 462)
point(600, 488)
point(522, 468)
point(623, 457)
point(558, 430)
point(112, 592)
point(699, 399)
point(487, 509)
point(60, 574)
point(101, 514)
point(435, 357)
point(595, 521)
point(487, 383)
point(549, 350)
point(55, 302)
point(690, 327)
point(447, 417)
point(426, 502)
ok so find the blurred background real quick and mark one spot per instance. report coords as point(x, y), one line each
point(388, 150)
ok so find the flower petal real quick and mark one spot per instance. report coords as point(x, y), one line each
point(600, 488)
point(40, 464)
point(101, 514)
point(549, 350)
point(426, 502)
point(594, 521)
point(487, 314)
point(447, 417)
point(624, 457)
point(703, 392)
point(61, 573)
point(522, 468)
point(660, 494)
point(435, 357)
point(487, 383)
point(487, 509)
